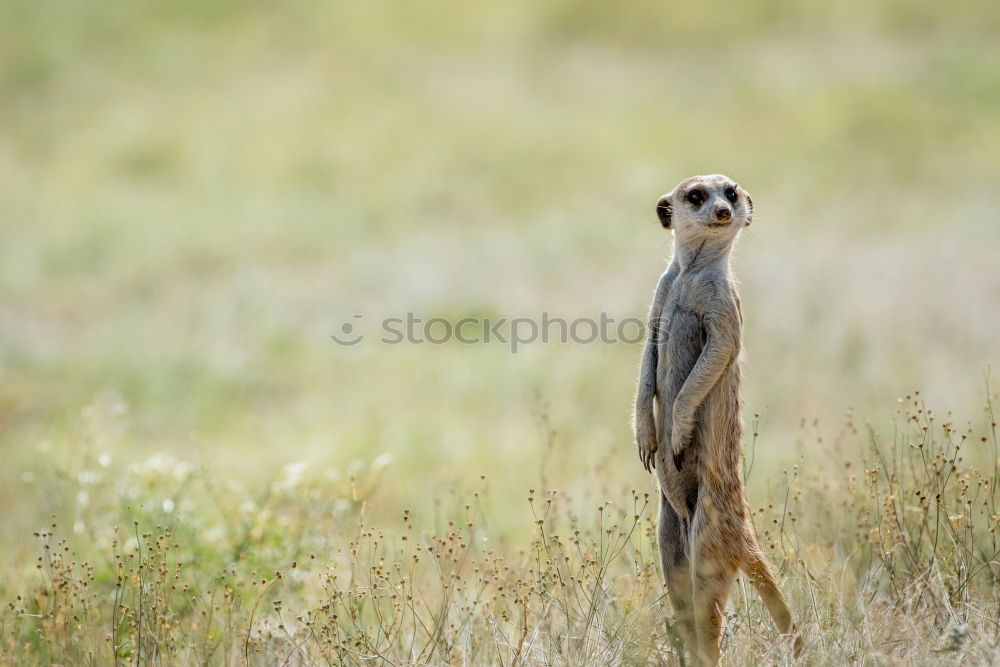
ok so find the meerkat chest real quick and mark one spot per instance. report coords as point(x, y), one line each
point(683, 326)
point(687, 296)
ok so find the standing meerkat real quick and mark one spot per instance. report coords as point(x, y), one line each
point(687, 416)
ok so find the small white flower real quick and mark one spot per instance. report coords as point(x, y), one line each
point(117, 406)
point(89, 477)
point(168, 505)
point(381, 461)
point(291, 474)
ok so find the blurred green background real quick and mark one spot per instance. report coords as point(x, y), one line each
point(195, 194)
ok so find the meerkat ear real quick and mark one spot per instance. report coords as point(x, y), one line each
point(749, 209)
point(665, 211)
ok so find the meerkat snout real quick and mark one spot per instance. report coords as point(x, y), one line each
point(723, 213)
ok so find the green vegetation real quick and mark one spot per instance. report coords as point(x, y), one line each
point(892, 558)
point(195, 195)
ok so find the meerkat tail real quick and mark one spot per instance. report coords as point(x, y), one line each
point(763, 580)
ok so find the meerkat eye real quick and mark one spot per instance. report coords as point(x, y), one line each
point(696, 197)
point(731, 194)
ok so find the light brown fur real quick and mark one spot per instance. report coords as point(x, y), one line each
point(687, 417)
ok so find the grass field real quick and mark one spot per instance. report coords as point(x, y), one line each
point(195, 195)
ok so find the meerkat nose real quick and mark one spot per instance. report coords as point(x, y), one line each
point(723, 213)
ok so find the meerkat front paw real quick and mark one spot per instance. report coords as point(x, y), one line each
point(680, 436)
point(645, 439)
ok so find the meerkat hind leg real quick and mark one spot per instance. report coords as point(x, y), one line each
point(713, 579)
point(715, 565)
point(672, 537)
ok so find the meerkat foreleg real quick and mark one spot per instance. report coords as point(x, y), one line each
point(719, 351)
point(644, 421)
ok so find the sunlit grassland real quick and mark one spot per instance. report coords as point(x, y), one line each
point(194, 196)
point(891, 556)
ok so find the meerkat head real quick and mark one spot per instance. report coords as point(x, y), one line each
point(706, 206)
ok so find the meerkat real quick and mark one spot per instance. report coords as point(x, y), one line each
point(687, 416)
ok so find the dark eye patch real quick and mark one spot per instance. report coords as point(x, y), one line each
point(731, 194)
point(696, 197)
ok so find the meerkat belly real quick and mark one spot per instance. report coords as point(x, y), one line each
point(679, 353)
point(681, 349)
